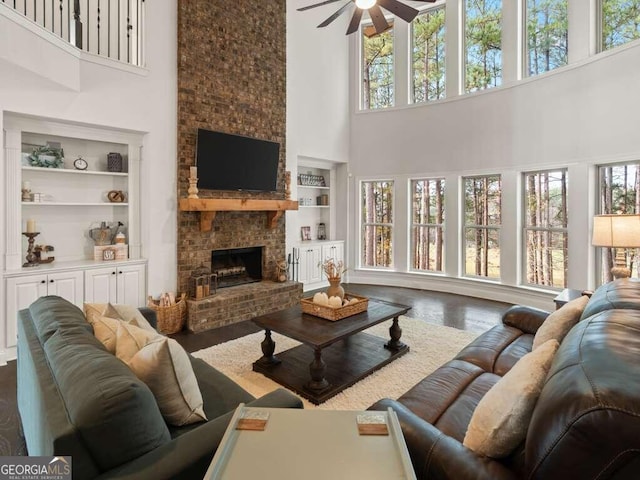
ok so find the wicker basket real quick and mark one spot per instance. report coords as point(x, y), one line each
point(170, 319)
point(335, 313)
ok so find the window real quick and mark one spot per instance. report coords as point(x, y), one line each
point(377, 68)
point(377, 223)
point(428, 61)
point(619, 193)
point(427, 224)
point(482, 218)
point(546, 35)
point(620, 22)
point(545, 229)
point(483, 44)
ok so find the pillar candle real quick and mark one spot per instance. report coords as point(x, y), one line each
point(194, 172)
point(31, 226)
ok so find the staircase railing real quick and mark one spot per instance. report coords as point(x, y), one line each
point(110, 28)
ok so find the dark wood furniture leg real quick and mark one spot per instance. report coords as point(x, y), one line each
point(317, 369)
point(268, 347)
point(395, 332)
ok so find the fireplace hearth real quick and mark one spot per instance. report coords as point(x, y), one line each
point(237, 266)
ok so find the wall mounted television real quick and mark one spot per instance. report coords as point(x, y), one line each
point(234, 162)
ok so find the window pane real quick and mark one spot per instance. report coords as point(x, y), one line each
point(377, 202)
point(482, 252)
point(546, 199)
point(482, 200)
point(546, 35)
point(428, 248)
point(483, 42)
point(377, 220)
point(620, 22)
point(547, 258)
point(427, 217)
point(376, 246)
point(619, 193)
point(428, 31)
point(377, 71)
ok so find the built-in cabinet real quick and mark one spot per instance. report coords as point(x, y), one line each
point(312, 254)
point(66, 205)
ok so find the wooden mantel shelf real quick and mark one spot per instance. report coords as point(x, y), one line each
point(208, 207)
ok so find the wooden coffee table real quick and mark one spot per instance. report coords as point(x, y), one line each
point(333, 355)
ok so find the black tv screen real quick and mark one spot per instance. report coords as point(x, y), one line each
point(233, 162)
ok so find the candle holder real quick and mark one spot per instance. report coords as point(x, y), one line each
point(32, 258)
point(193, 188)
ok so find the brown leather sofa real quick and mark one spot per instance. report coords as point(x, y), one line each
point(586, 422)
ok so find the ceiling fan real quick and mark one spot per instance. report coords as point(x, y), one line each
point(396, 7)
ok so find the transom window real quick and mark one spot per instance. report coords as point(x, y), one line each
point(482, 220)
point(428, 55)
point(545, 228)
point(377, 223)
point(547, 35)
point(377, 68)
point(619, 22)
point(427, 224)
point(483, 44)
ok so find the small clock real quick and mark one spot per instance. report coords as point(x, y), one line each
point(80, 163)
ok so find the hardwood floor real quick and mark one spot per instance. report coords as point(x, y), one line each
point(465, 313)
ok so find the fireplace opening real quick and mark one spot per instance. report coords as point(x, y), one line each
point(237, 266)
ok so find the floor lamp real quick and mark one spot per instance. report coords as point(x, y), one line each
point(619, 232)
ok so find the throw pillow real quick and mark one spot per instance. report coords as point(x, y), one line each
point(130, 339)
point(128, 313)
point(501, 419)
point(558, 324)
point(93, 311)
point(165, 367)
point(105, 329)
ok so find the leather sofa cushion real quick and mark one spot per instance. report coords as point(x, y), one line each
point(114, 412)
point(49, 314)
point(448, 396)
point(623, 293)
point(498, 349)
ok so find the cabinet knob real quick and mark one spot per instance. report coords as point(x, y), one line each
point(120, 272)
point(113, 273)
point(51, 281)
point(42, 281)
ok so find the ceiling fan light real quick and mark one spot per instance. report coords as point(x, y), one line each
point(365, 4)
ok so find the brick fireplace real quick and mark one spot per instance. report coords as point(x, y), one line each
point(231, 78)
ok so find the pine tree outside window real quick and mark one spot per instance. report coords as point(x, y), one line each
point(619, 22)
point(547, 35)
point(428, 55)
point(427, 225)
point(483, 44)
point(376, 205)
point(482, 221)
point(619, 192)
point(377, 68)
point(545, 228)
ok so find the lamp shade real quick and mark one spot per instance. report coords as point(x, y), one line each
point(621, 231)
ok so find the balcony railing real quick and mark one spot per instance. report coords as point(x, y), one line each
point(110, 28)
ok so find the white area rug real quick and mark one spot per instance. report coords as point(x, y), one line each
point(430, 346)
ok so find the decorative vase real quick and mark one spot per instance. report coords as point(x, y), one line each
point(335, 289)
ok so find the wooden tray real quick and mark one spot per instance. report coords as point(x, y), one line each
point(335, 313)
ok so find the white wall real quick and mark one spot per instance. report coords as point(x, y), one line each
point(93, 91)
point(317, 94)
point(577, 117)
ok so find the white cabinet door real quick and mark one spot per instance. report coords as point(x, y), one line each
point(310, 269)
point(68, 285)
point(100, 285)
point(131, 285)
point(334, 251)
point(21, 292)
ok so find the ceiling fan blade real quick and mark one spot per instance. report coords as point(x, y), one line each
point(302, 9)
point(377, 17)
point(355, 21)
point(405, 12)
point(335, 15)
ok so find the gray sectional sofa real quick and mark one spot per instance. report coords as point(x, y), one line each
point(77, 399)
